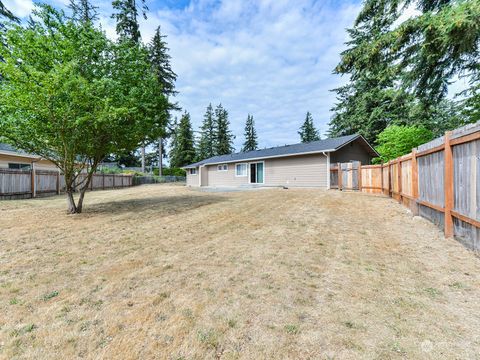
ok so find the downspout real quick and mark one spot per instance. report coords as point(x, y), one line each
point(327, 155)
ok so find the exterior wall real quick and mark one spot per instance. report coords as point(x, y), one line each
point(192, 180)
point(224, 178)
point(303, 170)
point(39, 165)
point(352, 151)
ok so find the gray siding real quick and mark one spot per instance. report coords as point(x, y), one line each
point(224, 178)
point(352, 151)
point(192, 180)
point(304, 170)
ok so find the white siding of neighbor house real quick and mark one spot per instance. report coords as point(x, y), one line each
point(303, 170)
point(39, 164)
point(224, 178)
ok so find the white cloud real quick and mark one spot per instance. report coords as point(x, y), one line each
point(272, 59)
point(20, 8)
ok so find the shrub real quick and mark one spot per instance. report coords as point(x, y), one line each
point(398, 140)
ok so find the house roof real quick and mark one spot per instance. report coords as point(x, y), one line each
point(325, 145)
point(10, 150)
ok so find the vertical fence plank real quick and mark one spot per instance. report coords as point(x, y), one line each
point(414, 205)
point(448, 161)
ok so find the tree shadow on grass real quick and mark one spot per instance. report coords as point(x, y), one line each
point(161, 205)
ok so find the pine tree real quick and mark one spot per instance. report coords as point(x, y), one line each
point(251, 142)
point(307, 130)
point(206, 144)
point(126, 17)
point(83, 11)
point(128, 29)
point(182, 150)
point(224, 137)
point(160, 59)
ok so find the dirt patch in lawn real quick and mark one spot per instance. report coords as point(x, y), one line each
point(167, 273)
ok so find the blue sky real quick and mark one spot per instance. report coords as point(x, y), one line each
point(270, 58)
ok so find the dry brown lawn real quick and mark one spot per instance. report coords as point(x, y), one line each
point(164, 272)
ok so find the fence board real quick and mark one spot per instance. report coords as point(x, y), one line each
point(372, 179)
point(16, 184)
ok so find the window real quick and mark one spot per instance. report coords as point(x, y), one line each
point(19, 166)
point(241, 170)
point(222, 167)
point(193, 171)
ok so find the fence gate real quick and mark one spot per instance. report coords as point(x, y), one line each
point(345, 176)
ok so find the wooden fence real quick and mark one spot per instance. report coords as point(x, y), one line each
point(17, 184)
point(439, 181)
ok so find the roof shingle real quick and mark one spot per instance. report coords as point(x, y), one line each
point(330, 144)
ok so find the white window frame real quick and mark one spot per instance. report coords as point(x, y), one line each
point(222, 167)
point(193, 169)
point(246, 169)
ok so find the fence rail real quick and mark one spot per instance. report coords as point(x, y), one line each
point(439, 180)
point(15, 184)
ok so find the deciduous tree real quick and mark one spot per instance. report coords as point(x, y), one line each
point(74, 115)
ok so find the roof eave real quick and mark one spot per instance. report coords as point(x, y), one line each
point(270, 157)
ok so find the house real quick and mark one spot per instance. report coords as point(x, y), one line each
point(304, 164)
point(11, 158)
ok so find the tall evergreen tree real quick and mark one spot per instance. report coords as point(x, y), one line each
point(206, 144)
point(251, 142)
point(128, 30)
point(307, 131)
point(126, 16)
point(224, 137)
point(160, 60)
point(182, 150)
point(83, 11)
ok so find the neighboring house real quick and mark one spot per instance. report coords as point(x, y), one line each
point(304, 164)
point(11, 158)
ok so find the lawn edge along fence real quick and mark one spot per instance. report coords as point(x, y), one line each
point(21, 184)
point(439, 180)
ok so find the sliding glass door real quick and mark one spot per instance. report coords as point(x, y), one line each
point(256, 173)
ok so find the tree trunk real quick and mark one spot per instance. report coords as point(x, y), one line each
point(80, 199)
point(72, 208)
point(160, 156)
point(143, 158)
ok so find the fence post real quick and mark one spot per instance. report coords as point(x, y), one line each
point(339, 176)
point(359, 176)
point(33, 181)
point(399, 173)
point(58, 182)
point(414, 205)
point(103, 181)
point(448, 160)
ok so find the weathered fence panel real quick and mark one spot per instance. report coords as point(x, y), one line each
point(349, 173)
point(16, 184)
